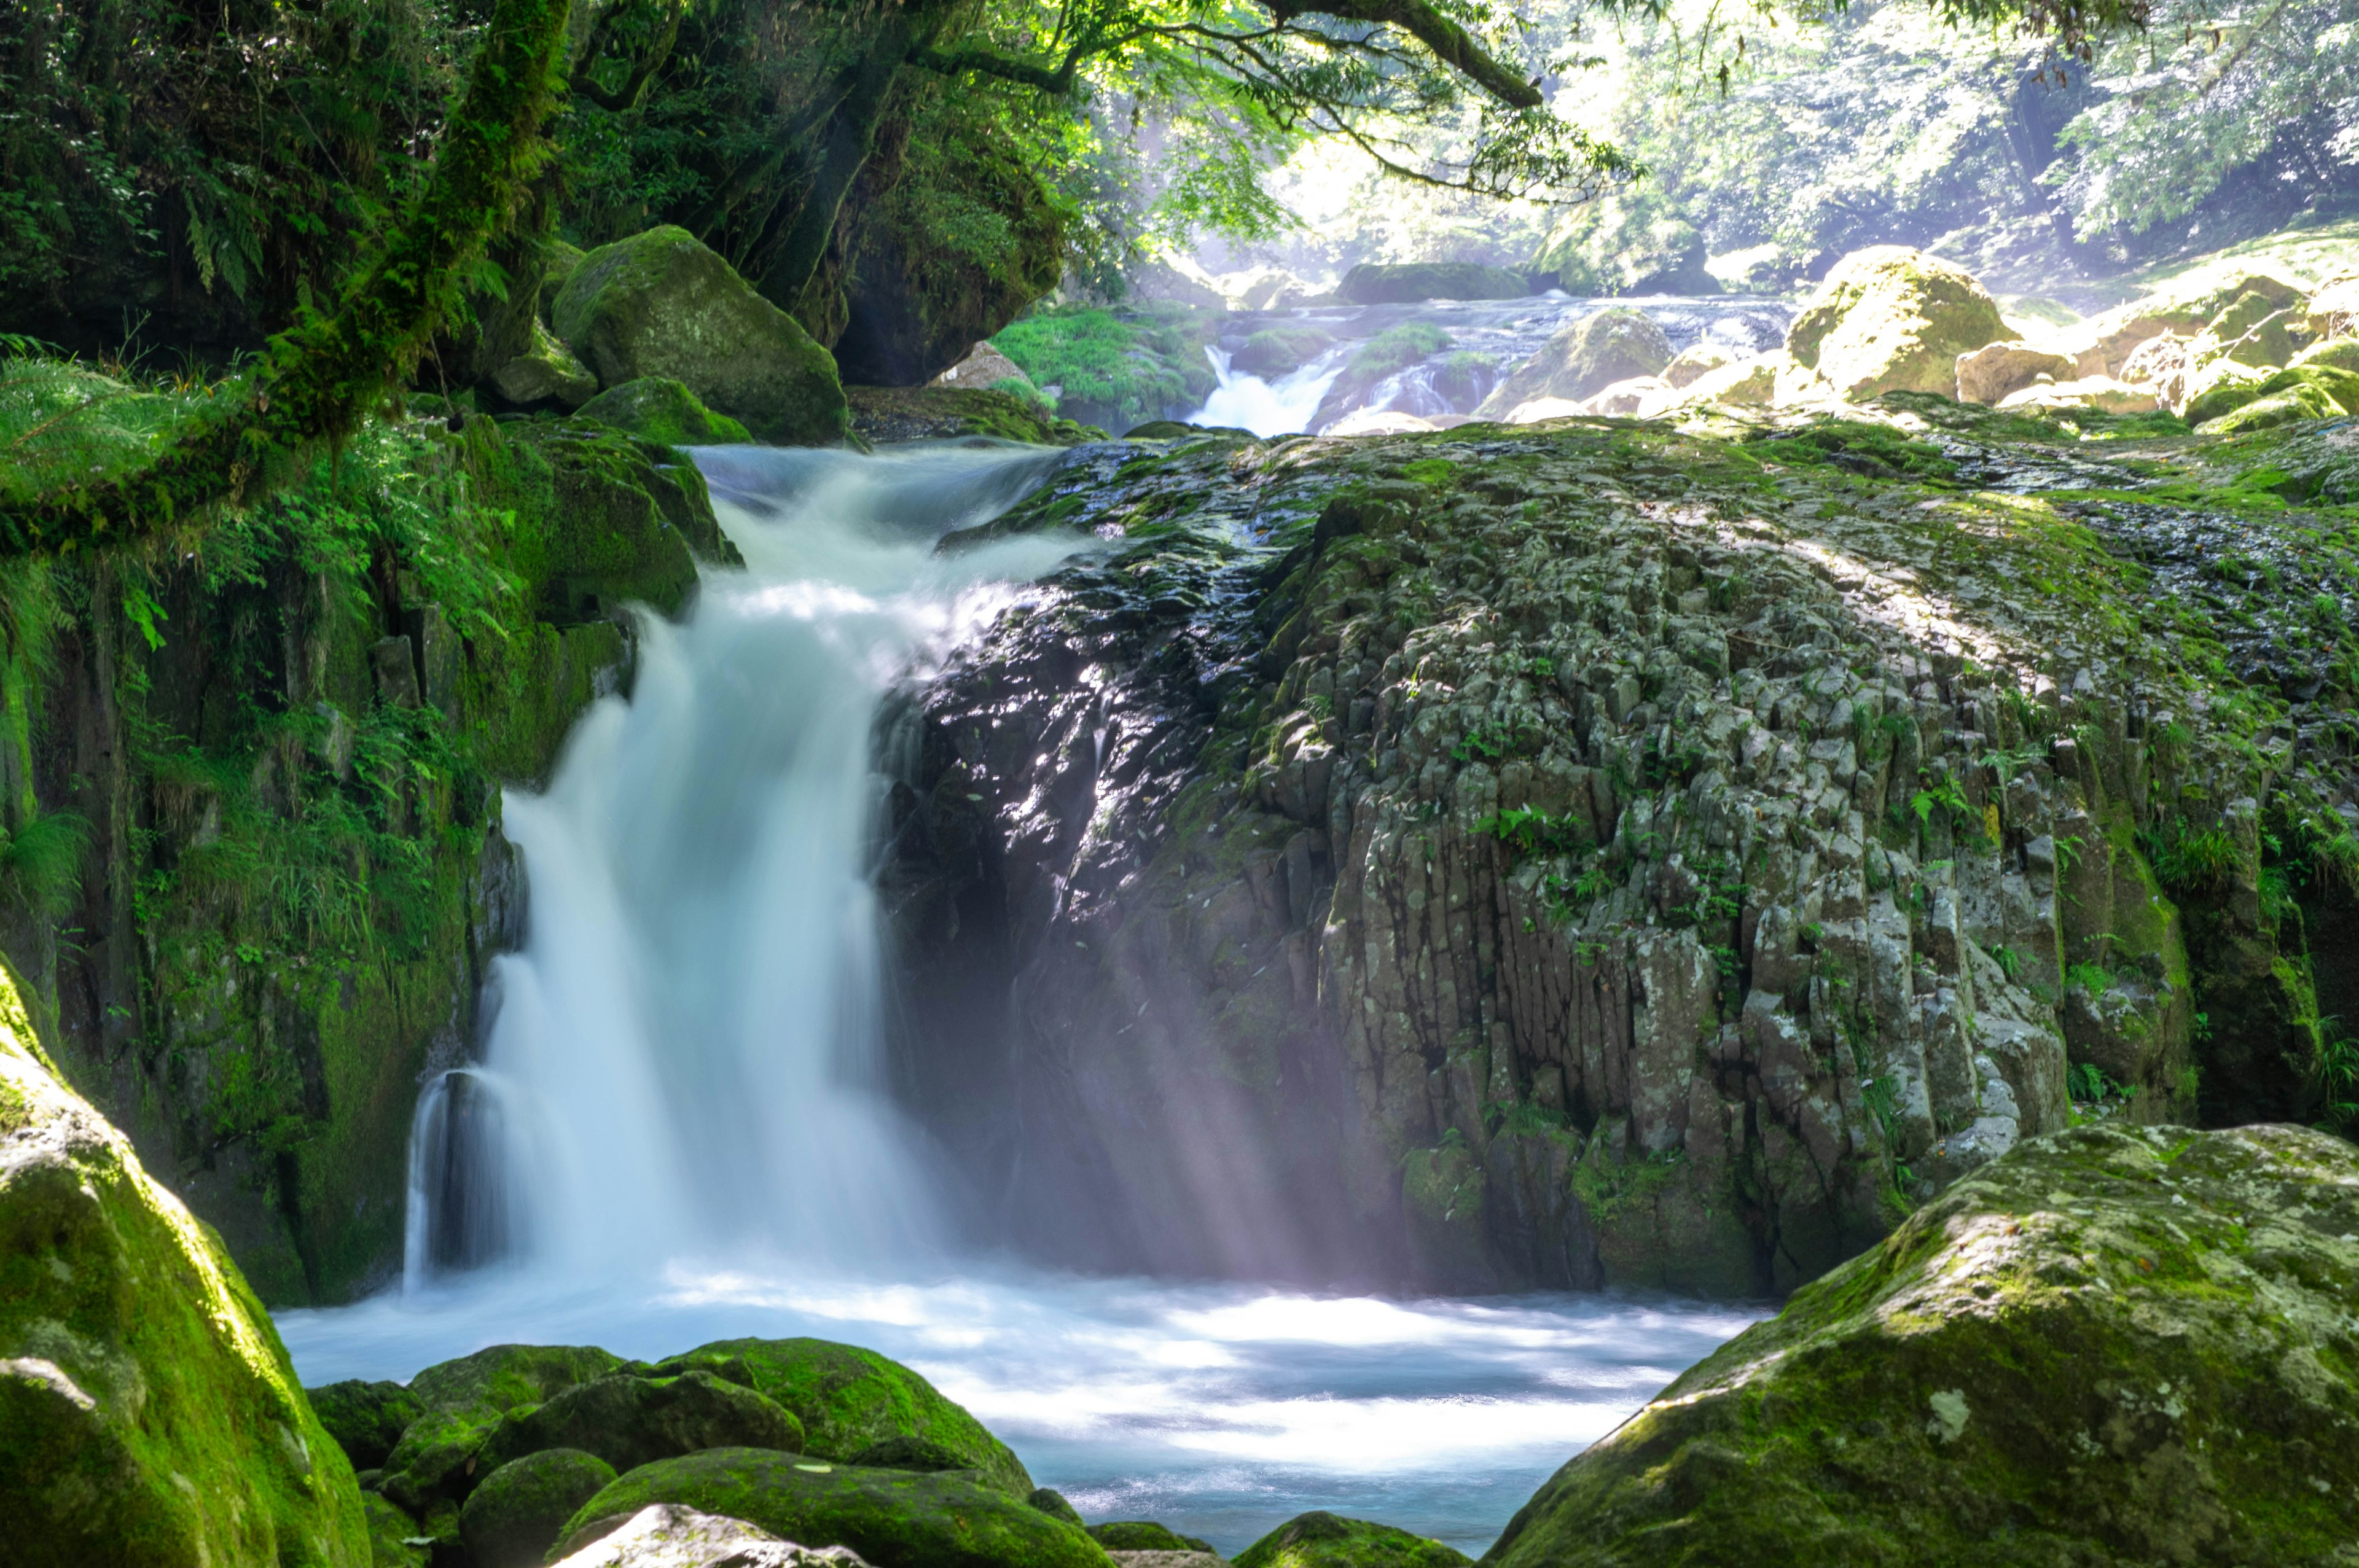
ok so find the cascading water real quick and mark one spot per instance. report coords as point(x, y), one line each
point(679, 1132)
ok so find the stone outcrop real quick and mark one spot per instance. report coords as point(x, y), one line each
point(148, 1410)
point(1599, 856)
point(1889, 318)
point(1584, 357)
point(664, 304)
point(2114, 1345)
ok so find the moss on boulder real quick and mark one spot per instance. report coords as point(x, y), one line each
point(657, 408)
point(894, 1518)
point(883, 414)
point(629, 1421)
point(1889, 318)
point(514, 1517)
point(2113, 1345)
point(1406, 283)
point(1327, 1541)
point(148, 1414)
point(365, 1418)
point(848, 1399)
point(393, 1538)
point(546, 372)
point(467, 1402)
point(1143, 1535)
point(1583, 359)
point(664, 304)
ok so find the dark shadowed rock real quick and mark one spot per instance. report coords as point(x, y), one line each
point(514, 1517)
point(365, 1418)
point(629, 1421)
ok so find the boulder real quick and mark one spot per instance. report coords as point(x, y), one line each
point(546, 372)
point(1406, 283)
point(1633, 398)
point(2161, 364)
point(664, 1536)
point(1326, 1540)
point(894, 1518)
point(2114, 1345)
point(464, 1402)
point(513, 1519)
point(847, 1398)
point(1266, 288)
point(1695, 362)
point(1584, 357)
point(2341, 353)
point(983, 367)
point(557, 262)
point(657, 408)
point(365, 1418)
point(148, 1414)
point(393, 1538)
point(1889, 318)
point(1143, 1535)
point(1540, 409)
point(1052, 1502)
point(2290, 406)
point(2333, 310)
point(663, 303)
point(629, 1421)
point(1279, 350)
point(2101, 393)
point(1992, 371)
point(1746, 383)
point(902, 1452)
point(2216, 388)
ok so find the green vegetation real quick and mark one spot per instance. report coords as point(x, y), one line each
point(1326, 1541)
point(1114, 368)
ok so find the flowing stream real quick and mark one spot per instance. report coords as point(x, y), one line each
point(680, 1130)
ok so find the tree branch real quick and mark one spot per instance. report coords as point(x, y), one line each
point(1451, 44)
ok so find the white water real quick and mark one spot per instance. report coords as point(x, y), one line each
point(683, 1137)
point(1282, 407)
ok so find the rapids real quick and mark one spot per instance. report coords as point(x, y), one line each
point(679, 1129)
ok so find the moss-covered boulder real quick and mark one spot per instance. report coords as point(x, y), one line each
point(665, 304)
point(1406, 283)
point(657, 408)
point(148, 1414)
point(545, 372)
point(1327, 1541)
point(630, 1421)
point(1053, 1503)
point(1281, 349)
point(1889, 318)
point(1143, 1535)
point(438, 1460)
point(393, 1538)
point(514, 1517)
point(365, 1418)
point(2114, 1345)
point(627, 522)
point(894, 1518)
point(1584, 359)
point(848, 1399)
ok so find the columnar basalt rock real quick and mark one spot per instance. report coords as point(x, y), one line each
point(1604, 856)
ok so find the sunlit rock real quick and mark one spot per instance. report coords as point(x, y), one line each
point(1889, 318)
point(665, 1535)
point(2100, 392)
point(1584, 357)
point(2334, 310)
point(983, 366)
point(2113, 1345)
point(1695, 362)
point(1377, 422)
point(147, 1411)
point(1996, 370)
point(664, 304)
point(1639, 395)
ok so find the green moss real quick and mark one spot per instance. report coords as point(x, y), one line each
point(365, 1418)
point(464, 1402)
point(894, 1518)
point(1143, 1535)
point(659, 409)
point(1326, 1541)
point(847, 1398)
point(516, 1515)
point(148, 1410)
point(1114, 368)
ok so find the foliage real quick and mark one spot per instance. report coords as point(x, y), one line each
point(1130, 364)
point(1529, 831)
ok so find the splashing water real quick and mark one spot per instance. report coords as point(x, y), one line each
point(1267, 408)
point(679, 1132)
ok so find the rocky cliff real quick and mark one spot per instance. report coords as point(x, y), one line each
point(1625, 854)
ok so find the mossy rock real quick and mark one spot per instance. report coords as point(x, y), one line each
point(148, 1413)
point(1406, 283)
point(628, 1420)
point(1327, 1541)
point(545, 372)
point(392, 1535)
point(365, 1418)
point(657, 408)
point(2112, 1345)
point(2341, 386)
point(906, 1453)
point(1584, 357)
point(886, 413)
point(2337, 353)
point(1143, 1535)
point(2296, 403)
point(1280, 350)
point(848, 1399)
point(665, 304)
point(894, 1518)
point(515, 1517)
point(1889, 318)
point(627, 521)
point(1050, 1501)
point(468, 1400)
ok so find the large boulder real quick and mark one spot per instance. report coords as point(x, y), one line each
point(894, 1518)
point(1889, 318)
point(629, 1421)
point(2115, 1345)
point(513, 1519)
point(664, 1536)
point(1583, 359)
point(1996, 370)
point(465, 1402)
point(848, 1399)
point(1406, 283)
point(657, 408)
point(1327, 1541)
point(148, 1413)
point(365, 1418)
point(663, 303)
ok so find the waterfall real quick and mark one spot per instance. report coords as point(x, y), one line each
point(687, 1051)
point(1267, 408)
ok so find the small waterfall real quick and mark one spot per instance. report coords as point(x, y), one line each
point(1267, 408)
point(686, 1054)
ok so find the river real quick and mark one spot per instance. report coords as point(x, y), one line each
point(678, 1130)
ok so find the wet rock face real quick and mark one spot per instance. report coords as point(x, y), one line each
point(2114, 1345)
point(1597, 856)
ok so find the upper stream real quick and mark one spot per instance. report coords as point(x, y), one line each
point(680, 1130)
